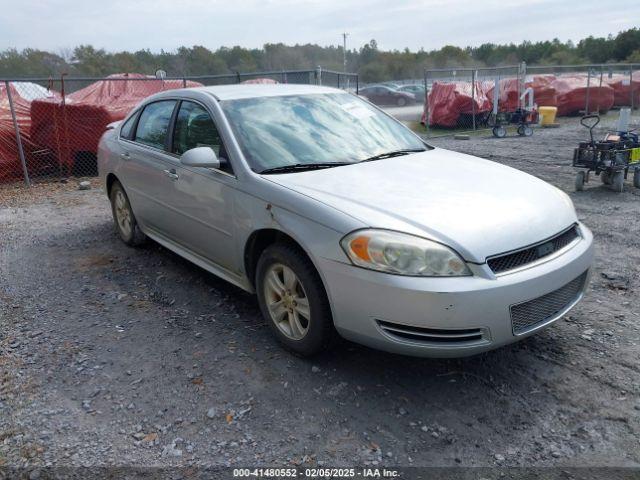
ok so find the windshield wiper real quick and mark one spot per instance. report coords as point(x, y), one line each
point(395, 153)
point(301, 167)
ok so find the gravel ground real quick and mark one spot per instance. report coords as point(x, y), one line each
point(118, 356)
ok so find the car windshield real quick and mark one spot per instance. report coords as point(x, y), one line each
point(315, 129)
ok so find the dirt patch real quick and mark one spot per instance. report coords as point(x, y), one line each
point(17, 194)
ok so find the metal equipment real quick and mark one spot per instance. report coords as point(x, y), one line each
point(610, 158)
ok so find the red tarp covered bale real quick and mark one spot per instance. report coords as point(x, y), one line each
point(544, 94)
point(507, 93)
point(72, 128)
point(22, 94)
point(623, 87)
point(571, 93)
point(448, 101)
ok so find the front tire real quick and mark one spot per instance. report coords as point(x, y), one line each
point(293, 300)
point(402, 102)
point(123, 217)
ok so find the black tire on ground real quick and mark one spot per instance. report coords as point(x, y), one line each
point(520, 130)
point(636, 177)
point(617, 181)
point(402, 102)
point(499, 131)
point(120, 205)
point(606, 179)
point(580, 178)
point(528, 131)
point(320, 333)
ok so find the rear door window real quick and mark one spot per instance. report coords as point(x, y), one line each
point(154, 124)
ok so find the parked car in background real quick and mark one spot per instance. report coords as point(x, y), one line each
point(385, 95)
point(343, 221)
point(417, 90)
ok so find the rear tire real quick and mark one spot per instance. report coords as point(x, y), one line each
point(580, 178)
point(499, 131)
point(402, 102)
point(123, 217)
point(617, 182)
point(606, 179)
point(293, 300)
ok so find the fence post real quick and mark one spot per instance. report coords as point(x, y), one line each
point(587, 105)
point(426, 101)
point(631, 87)
point(184, 82)
point(18, 138)
point(473, 98)
point(318, 75)
point(522, 83)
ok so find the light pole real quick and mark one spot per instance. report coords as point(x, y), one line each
point(344, 51)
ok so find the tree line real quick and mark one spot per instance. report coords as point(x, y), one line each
point(372, 63)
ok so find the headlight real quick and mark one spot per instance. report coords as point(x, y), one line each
point(402, 254)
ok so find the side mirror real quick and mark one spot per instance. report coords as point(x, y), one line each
point(203, 157)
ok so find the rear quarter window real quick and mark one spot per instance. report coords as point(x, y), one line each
point(127, 128)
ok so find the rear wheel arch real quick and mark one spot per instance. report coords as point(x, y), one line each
point(111, 179)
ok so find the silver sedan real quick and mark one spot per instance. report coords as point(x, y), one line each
point(343, 221)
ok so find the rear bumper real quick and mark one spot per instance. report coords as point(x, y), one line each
point(450, 317)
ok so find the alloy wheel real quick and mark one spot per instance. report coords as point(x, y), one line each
point(287, 301)
point(123, 214)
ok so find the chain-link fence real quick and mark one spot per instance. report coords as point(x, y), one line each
point(473, 99)
point(50, 127)
point(463, 99)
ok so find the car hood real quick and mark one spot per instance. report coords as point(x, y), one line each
point(478, 207)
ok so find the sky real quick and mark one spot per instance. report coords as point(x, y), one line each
point(115, 25)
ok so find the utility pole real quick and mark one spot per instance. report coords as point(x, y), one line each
point(344, 50)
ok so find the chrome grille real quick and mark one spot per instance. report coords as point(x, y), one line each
point(528, 315)
point(432, 335)
point(519, 258)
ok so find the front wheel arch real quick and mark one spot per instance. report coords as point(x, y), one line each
point(259, 241)
point(321, 333)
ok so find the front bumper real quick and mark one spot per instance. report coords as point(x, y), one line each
point(449, 317)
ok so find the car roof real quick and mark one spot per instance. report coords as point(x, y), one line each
point(234, 92)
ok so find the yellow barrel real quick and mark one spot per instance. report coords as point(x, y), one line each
point(547, 115)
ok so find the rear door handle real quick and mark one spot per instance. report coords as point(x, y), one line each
point(171, 174)
point(125, 156)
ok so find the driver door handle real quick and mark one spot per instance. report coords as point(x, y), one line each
point(171, 173)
